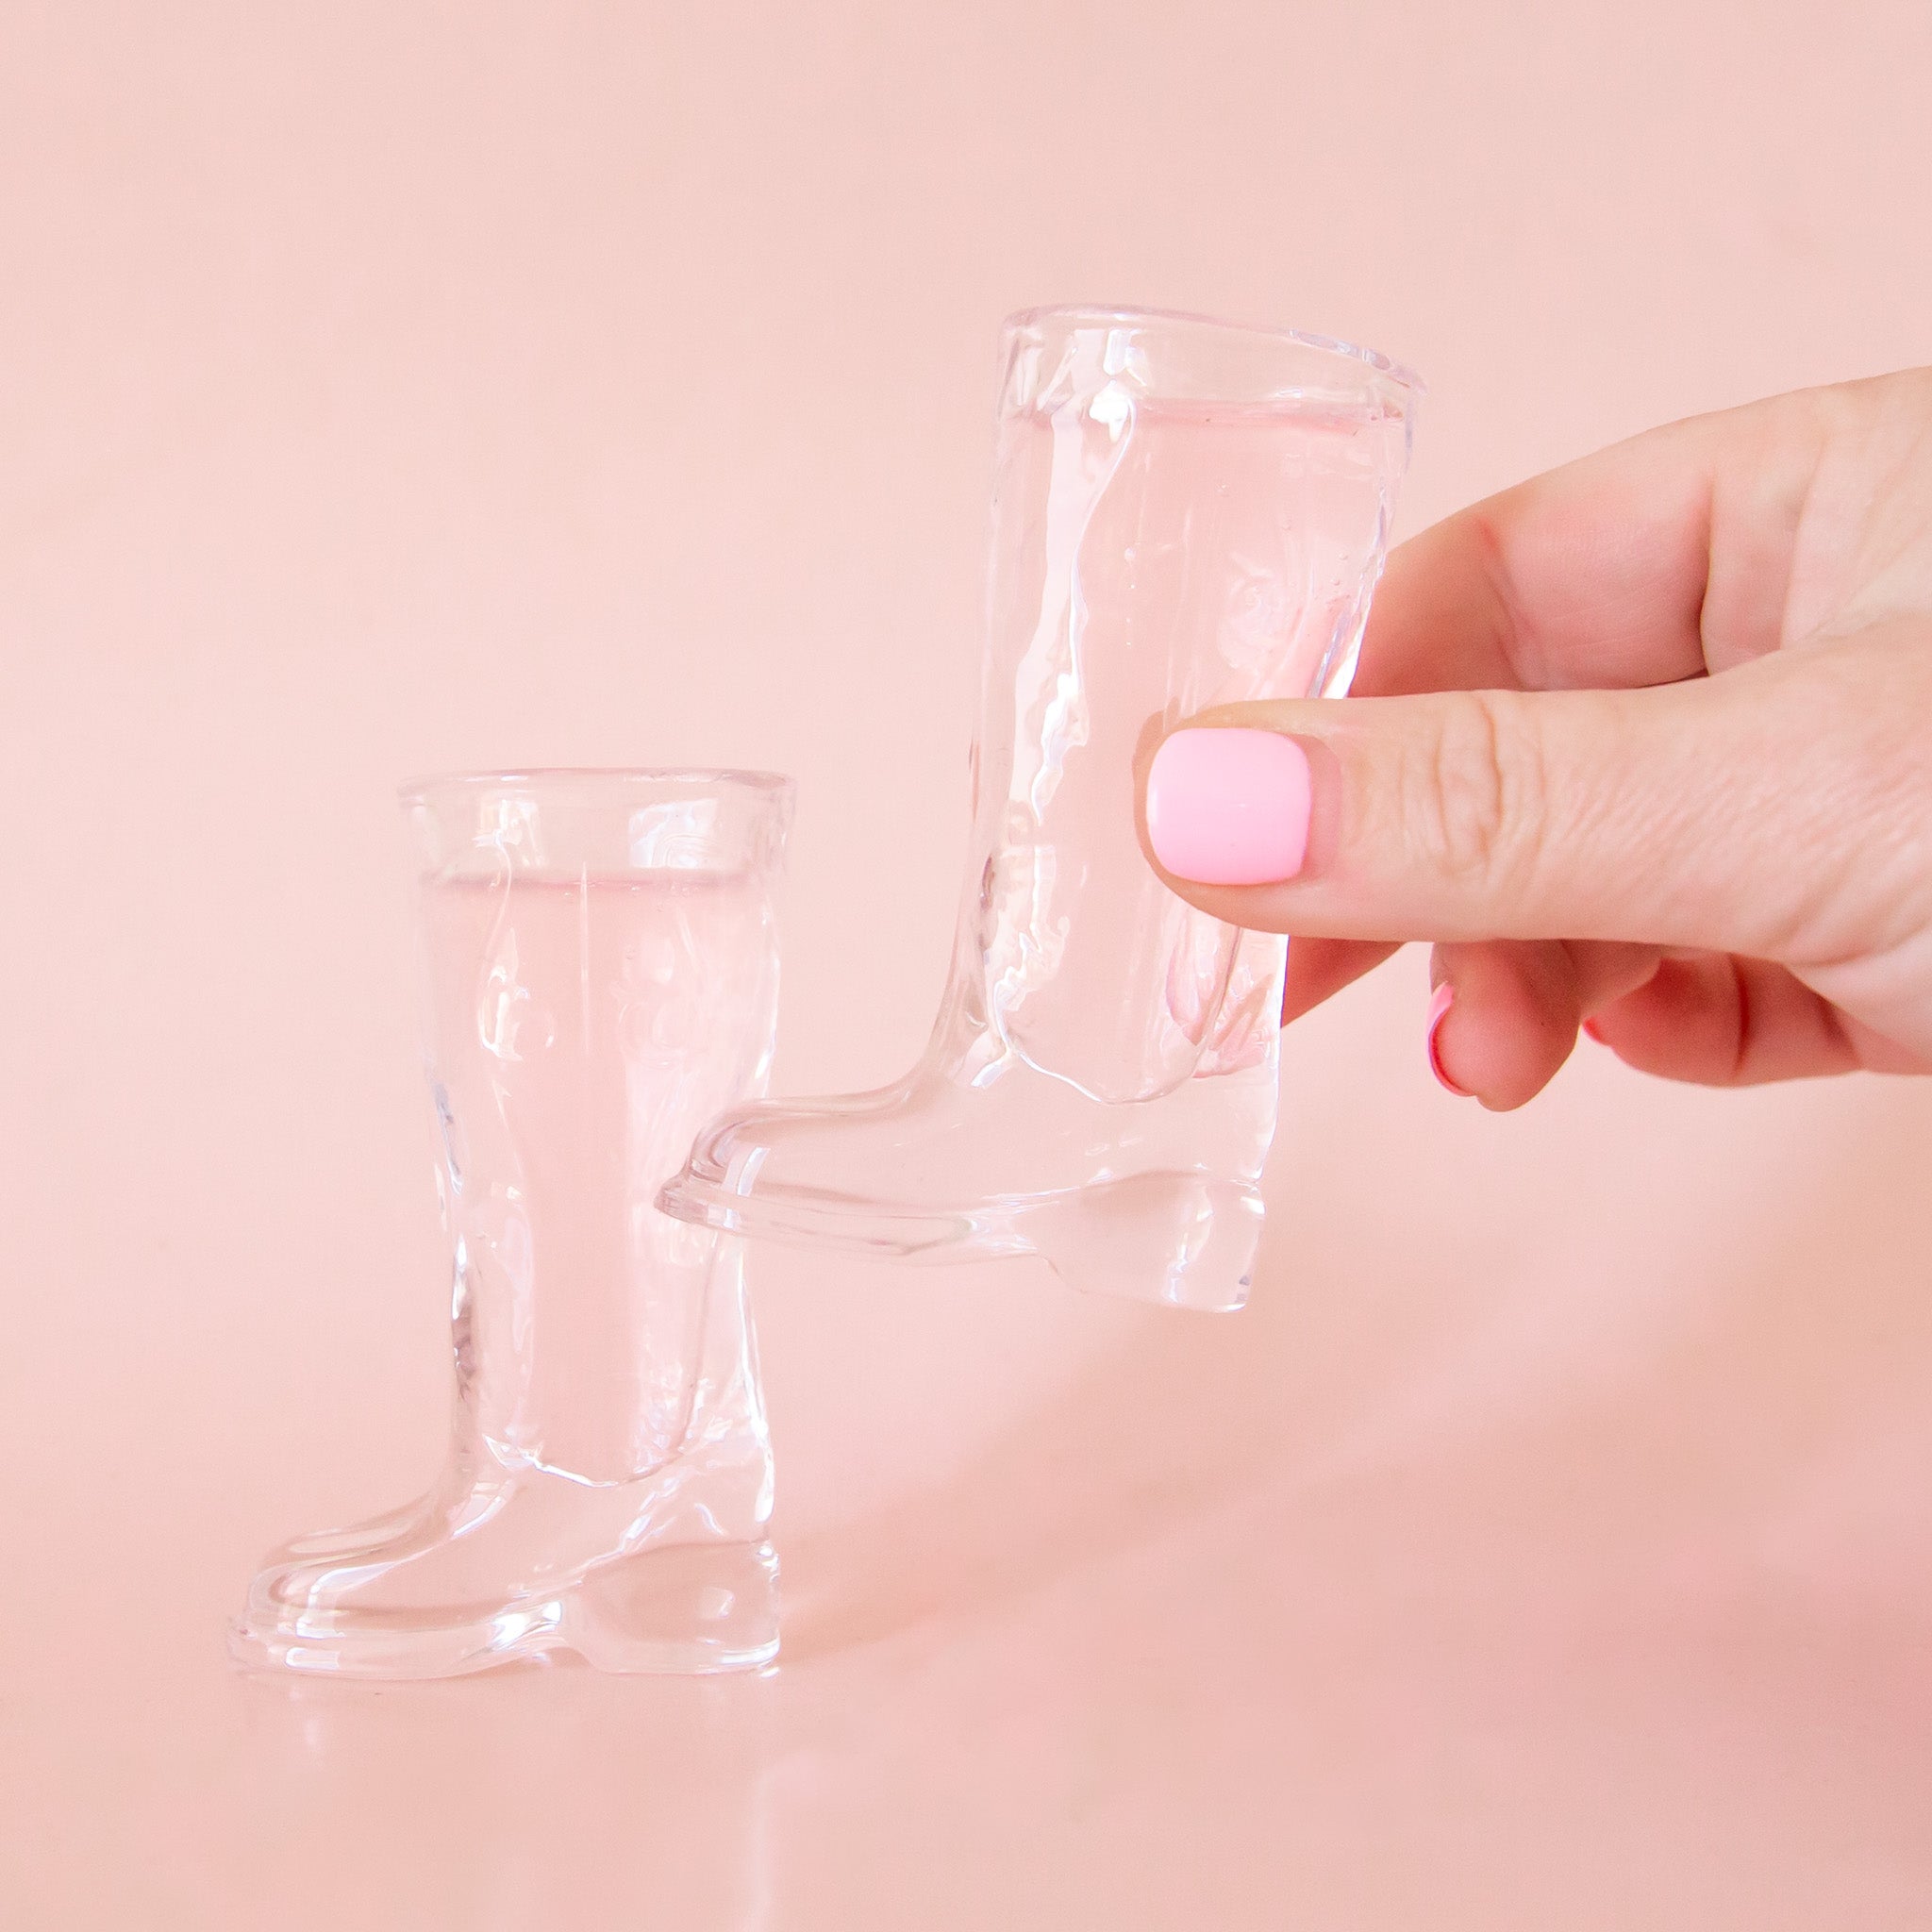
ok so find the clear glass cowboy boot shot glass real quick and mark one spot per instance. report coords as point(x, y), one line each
point(1185, 514)
point(602, 976)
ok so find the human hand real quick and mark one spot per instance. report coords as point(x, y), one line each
point(1644, 744)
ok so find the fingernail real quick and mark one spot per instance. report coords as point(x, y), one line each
point(1596, 1032)
point(1229, 808)
point(1439, 1011)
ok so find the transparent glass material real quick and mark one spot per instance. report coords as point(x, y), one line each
point(1185, 514)
point(602, 969)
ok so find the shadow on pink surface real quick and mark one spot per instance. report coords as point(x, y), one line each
point(1762, 1427)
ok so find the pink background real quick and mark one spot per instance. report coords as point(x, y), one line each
point(386, 388)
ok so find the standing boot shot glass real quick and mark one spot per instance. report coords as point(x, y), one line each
point(602, 962)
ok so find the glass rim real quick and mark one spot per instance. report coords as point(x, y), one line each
point(1106, 315)
point(614, 778)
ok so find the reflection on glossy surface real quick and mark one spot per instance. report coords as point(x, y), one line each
point(602, 976)
point(1185, 515)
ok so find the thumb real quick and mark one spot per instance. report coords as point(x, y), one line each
point(1721, 812)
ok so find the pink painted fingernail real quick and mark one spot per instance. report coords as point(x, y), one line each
point(1439, 1011)
point(1229, 808)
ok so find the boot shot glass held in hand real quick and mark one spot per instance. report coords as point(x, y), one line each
point(1185, 514)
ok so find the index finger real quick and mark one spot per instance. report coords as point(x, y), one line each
point(1597, 574)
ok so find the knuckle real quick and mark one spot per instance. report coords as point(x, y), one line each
point(1476, 799)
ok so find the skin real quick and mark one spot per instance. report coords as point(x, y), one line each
point(1644, 743)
